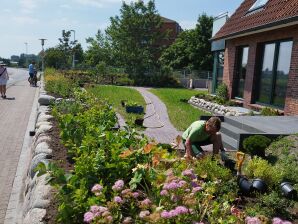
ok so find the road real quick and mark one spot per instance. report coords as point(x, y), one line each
point(14, 116)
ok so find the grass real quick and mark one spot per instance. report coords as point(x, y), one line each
point(181, 113)
point(114, 95)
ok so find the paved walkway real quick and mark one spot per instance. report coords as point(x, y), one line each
point(14, 116)
point(157, 120)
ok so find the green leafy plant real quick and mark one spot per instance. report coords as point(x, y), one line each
point(256, 145)
point(131, 103)
point(222, 93)
point(267, 111)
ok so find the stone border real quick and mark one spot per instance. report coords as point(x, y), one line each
point(37, 192)
point(215, 108)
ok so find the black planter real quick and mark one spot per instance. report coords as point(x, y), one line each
point(31, 133)
point(288, 190)
point(259, 185)
point(230, 164)
point(123, 103)
point(245, 185)
point(139, 121)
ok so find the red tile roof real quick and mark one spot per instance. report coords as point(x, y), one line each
point(274, 13)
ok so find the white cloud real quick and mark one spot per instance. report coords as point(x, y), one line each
point(102, 3)
point(24, 20)
point(28, 6)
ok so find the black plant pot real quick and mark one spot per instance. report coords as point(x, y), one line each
point(123, 103)
point(259, 185)
point(245, 185)
point(230, 164)
point(139, 121)
point(31, 133)
point(288, 190)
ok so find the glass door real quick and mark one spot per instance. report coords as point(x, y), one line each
point(274, 74)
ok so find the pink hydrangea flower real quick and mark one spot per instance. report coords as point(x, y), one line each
point(88, 217)
point(143, 214)
point(135, 194)
point(181, 210)
point(146, 202)
point(118, 199)
point(252, 220)
point(182, 183)
point(165, 215)
point(277, 220)
point(196, 189)
point(119, 184)
point(164, 193)
point(189, 173)
point(97, 188)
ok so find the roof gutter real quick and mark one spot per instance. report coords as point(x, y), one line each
point(263, 28)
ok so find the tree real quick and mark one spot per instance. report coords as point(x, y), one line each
point(67, 48)
point(98, 50)
point(54, 57)
point(192, 48)
point(133, 36)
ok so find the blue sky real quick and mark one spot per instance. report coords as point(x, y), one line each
point(26, 21)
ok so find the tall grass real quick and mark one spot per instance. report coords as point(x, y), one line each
point(180, 112)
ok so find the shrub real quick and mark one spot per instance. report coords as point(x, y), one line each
point(256, 145)
point(267, 111)
point(222, 93)
point(260, 168)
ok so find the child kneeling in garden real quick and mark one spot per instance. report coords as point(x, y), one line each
point(201, 133)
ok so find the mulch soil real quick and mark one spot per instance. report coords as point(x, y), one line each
point(60, 158)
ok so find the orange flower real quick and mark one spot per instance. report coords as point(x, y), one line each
point(125, 153)
point(148, 148)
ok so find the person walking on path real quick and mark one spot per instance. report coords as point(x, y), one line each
point(201, 133)
point(31, 72)
point(3, 80)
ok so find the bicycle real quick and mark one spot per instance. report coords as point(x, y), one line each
point(33, 80)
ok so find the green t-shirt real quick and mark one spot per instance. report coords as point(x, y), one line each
point(196, 132)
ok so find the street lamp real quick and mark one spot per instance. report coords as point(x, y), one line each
point(74, 40)
point(42, 54)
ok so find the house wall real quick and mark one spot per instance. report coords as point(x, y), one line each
point(174, 30)
point(250, 86)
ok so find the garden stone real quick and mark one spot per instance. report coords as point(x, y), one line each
point(40, 138)
point(43, 129)
point(228, 114)
point(44, 117)
point(39, 203)
point(43, 109)
point(43, 147)
point(42, 123)
point(216, 111)
point(40, 158)
point(45, 100)
point(35, 216)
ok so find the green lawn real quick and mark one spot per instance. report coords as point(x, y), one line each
point(181, 114)
point(114, 95)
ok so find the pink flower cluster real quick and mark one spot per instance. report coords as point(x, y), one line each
point(280, 221)
point(175, 184)
point(118, 200)
point(98, 211)
point(96, 189)
point(179, 210)
point(252, 220)
point(118, 186)
point(189, 173)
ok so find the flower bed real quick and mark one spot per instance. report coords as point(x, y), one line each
point(121, 177)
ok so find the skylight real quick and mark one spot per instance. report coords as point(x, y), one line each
point(258, 4)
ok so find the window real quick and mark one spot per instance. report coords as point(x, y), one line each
point(241, 71)
point(274, 73)
point(257, 5)
point(218, 69)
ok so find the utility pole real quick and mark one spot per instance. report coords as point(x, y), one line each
point(42, 54)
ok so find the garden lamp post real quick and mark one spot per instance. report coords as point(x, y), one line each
point(73, 55)
point(42, 54)
point(26, 55)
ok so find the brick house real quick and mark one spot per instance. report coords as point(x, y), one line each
point(172, 27)
point(256, 54)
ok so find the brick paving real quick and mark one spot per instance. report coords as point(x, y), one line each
point(14, 116)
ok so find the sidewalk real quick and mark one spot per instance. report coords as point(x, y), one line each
point(14, 116)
